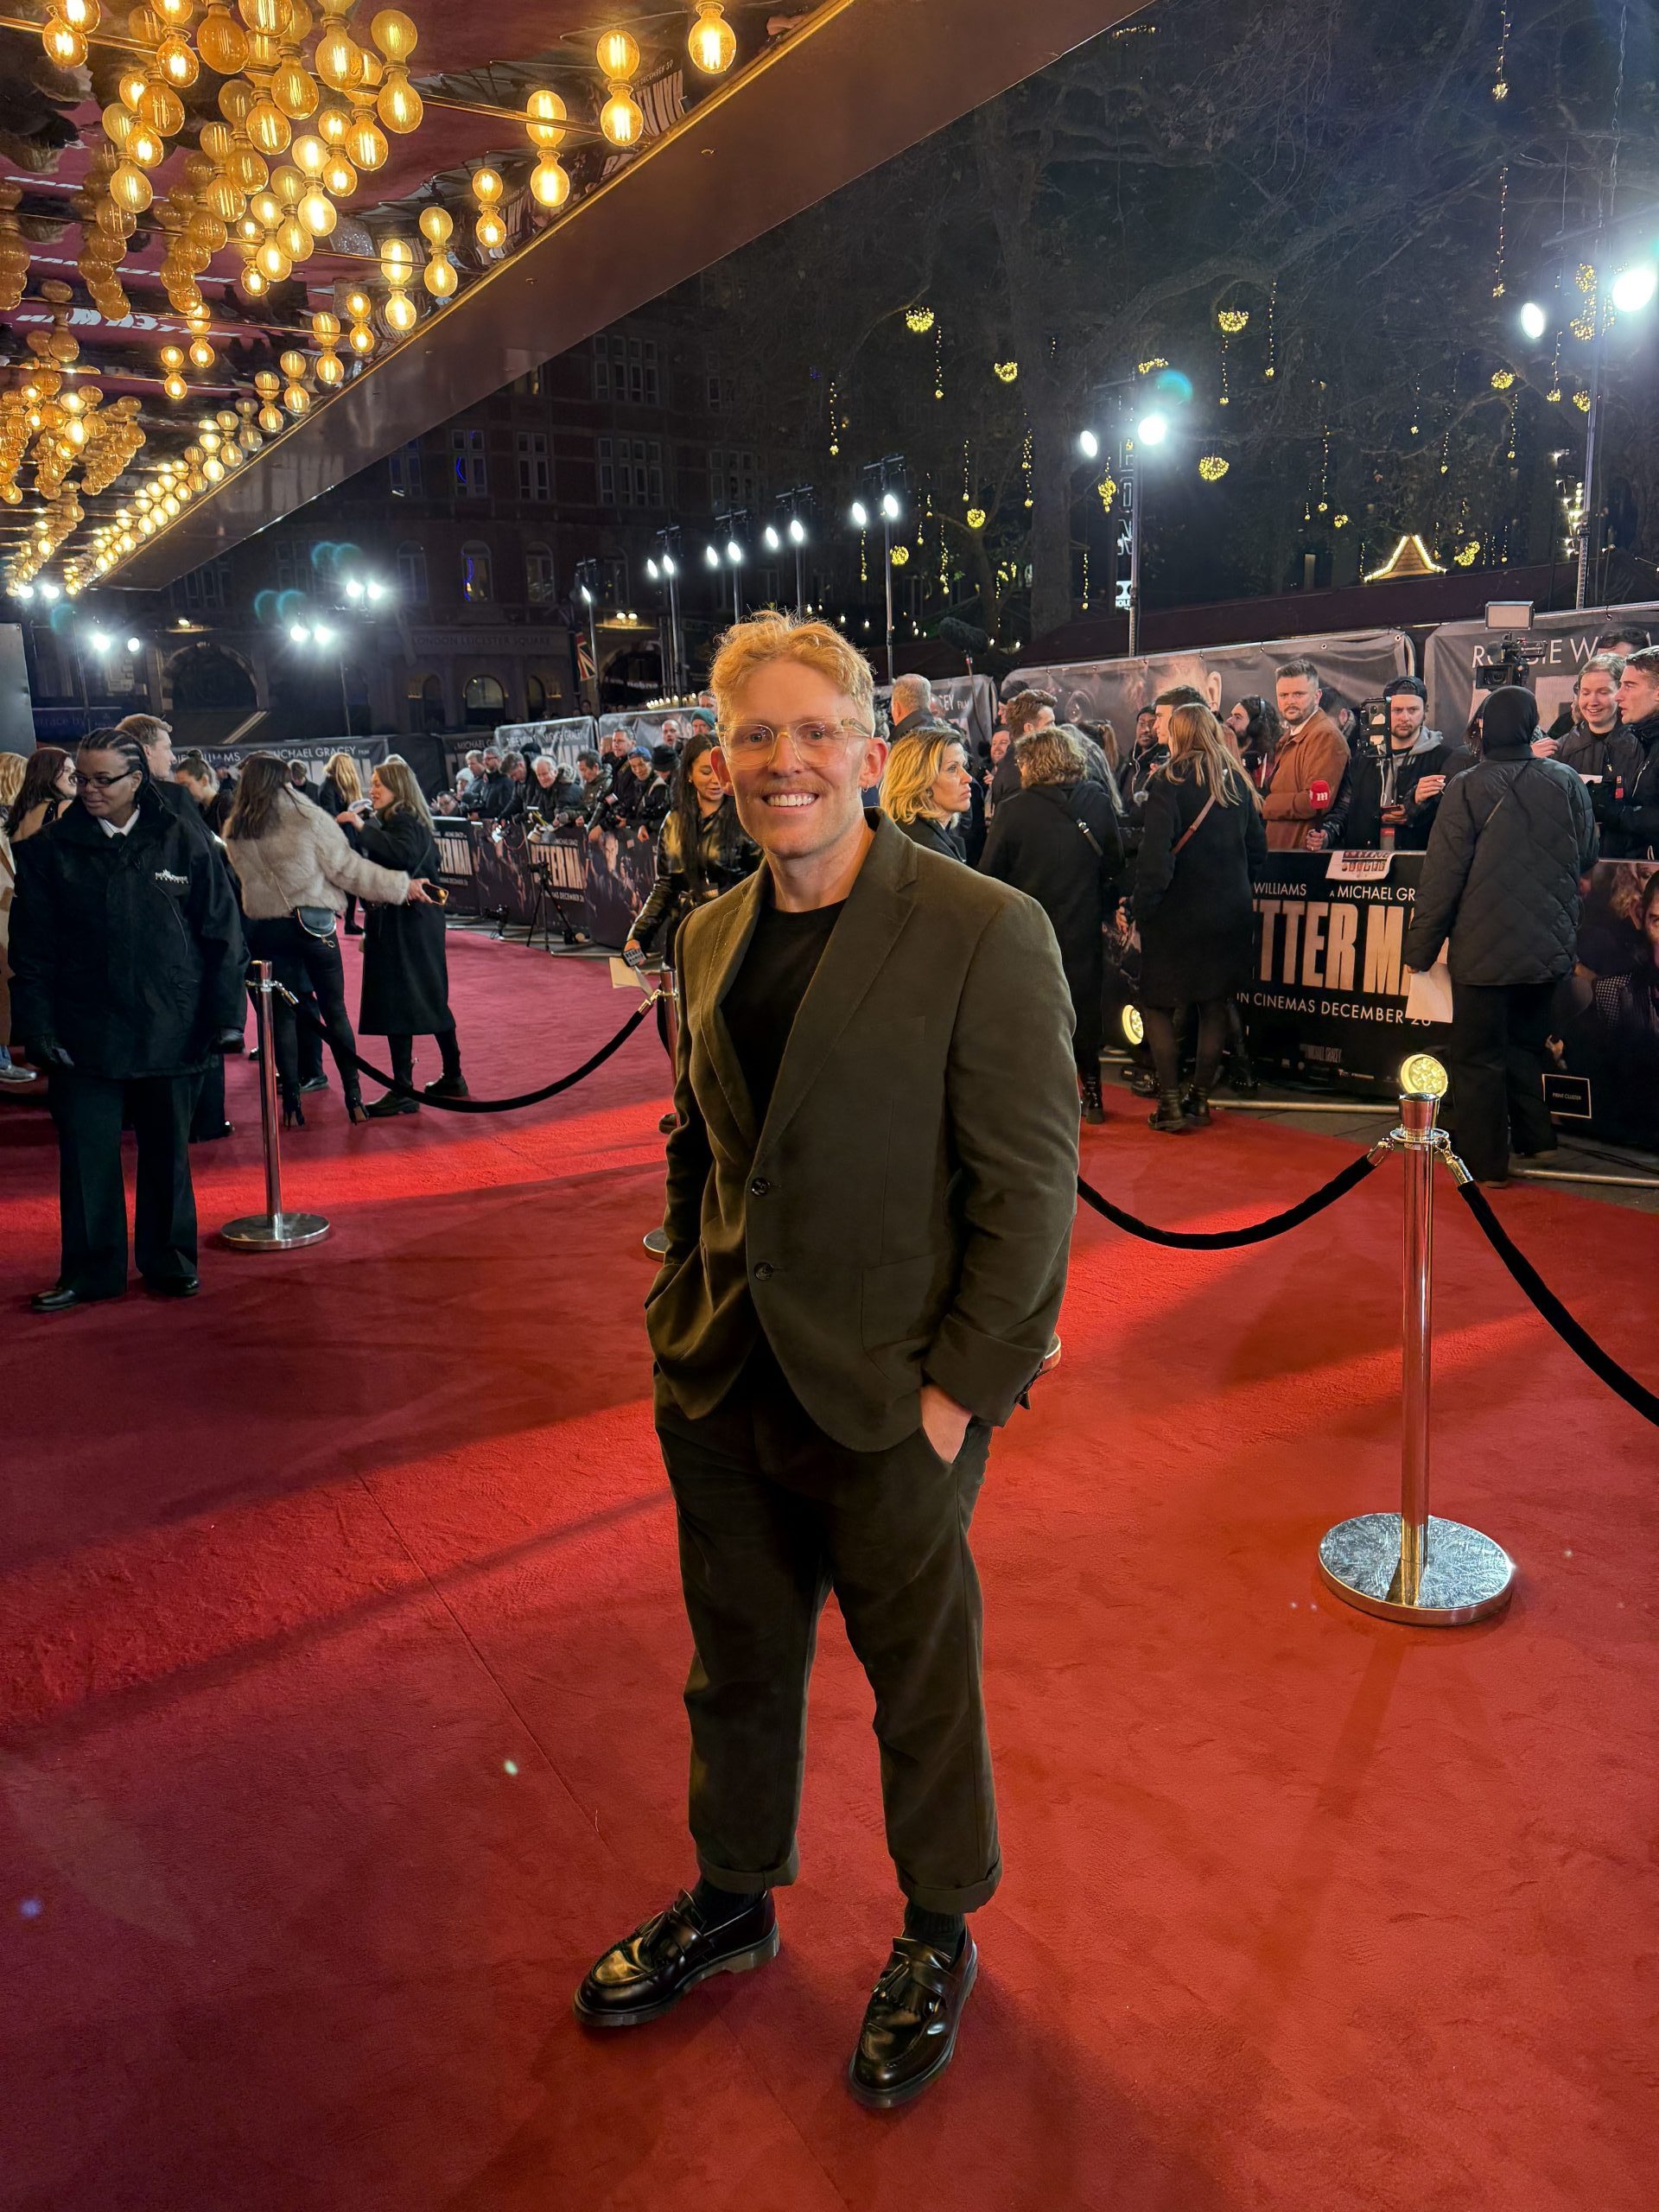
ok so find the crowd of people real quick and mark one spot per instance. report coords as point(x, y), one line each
point(1143, 848)
point(135, 889)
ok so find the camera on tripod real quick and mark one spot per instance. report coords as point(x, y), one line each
point(1511, 653)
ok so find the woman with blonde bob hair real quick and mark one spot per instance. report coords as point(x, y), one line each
point(405, 963)
point(1195, 906)
point(924, 788)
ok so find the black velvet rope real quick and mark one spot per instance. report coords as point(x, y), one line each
point(1635, 1394)
point(493, 1105)
point(1226, 1240)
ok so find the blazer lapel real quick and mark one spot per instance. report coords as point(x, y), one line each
point(877, 910)
point(744, 905)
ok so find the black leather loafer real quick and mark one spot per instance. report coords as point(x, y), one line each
point(909, 2035)
point(172, 1286)
point(647, 1972)
point(63, 1298)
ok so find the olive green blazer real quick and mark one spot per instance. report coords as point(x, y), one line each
point(906, 1211)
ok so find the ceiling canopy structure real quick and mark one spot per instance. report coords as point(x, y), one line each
point(248, 247)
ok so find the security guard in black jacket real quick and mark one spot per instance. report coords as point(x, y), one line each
point(128, 963)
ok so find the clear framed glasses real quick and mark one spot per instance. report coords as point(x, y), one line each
point(757, 741)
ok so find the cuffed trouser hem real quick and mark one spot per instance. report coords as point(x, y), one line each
point(932, 1900)
point(727, 1877)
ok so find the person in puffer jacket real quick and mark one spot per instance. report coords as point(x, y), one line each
point(1512, 840)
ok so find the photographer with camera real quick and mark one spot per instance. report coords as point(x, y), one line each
point(1419, 765)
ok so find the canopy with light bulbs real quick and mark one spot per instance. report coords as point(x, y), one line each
point(247, 246)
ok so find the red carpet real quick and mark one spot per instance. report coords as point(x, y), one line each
point(339, 1661)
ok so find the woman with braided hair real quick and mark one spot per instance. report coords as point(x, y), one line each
point(127, 964)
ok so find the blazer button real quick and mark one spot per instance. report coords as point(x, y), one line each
point(764, 1271)
point(759, 1188)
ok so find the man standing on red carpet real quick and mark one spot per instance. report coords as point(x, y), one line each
point(871, 1186)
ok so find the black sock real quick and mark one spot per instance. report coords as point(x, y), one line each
point(714, 1905)
point(449, 1046)
point(944, 1930)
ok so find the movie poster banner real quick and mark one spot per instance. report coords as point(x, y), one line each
point(1355, 665)
point(1567, 640)
point(1327, 996)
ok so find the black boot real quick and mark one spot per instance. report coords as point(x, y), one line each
point(1093, 1110)
point(1169, 1117)
point(1196, 1107)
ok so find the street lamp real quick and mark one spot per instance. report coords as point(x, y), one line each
point(666, 572)
point(1151, 429)
point(882, 471)
point(1630, 289)
point(586, 574)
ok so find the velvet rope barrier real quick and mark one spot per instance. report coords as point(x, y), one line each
point(494, 1105)
point(1227, 1239)
point(1636, 1395)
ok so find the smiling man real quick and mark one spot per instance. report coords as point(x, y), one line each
point(870, 1191)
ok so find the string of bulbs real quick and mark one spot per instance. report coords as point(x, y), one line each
point(306, 109)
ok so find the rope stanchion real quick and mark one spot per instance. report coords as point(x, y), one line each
point(1258, 1232)
point(496, 1105)
point(274, 1231)
point(1410, 1566)
point(1578, 1339)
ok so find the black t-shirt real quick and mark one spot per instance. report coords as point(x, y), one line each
point(766, 992)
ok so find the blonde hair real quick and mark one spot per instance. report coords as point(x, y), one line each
point(1198, 746)
point(907, 780)
point(347, 782)
point(1050, 756)
point(407, 796)
point(770, 637)
point(12, 772)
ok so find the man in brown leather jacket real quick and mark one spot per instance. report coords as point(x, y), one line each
point(1308, 764)
point(870, 1195)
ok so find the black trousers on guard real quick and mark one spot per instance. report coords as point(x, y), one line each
point(1497, 1055)
point(92, 1205)
point(773, 1516)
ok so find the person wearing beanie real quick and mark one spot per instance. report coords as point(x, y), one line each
point(1513, 839)
point(1418, 765)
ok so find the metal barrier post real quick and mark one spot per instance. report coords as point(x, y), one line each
point(668, 997)
point(272, 1230)
point(1412, 1565)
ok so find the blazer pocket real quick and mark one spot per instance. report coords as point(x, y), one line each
point(894, 1301)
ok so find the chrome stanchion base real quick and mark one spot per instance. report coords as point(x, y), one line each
point(656, 1242)
point(1467, 1577)
point(274, 1232)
